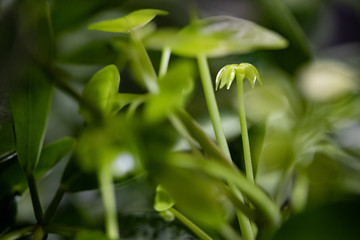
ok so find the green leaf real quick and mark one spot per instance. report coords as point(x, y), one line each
point(128, 23)
point(161, 38)
point(52, 154)
point(91, 235)
point(30, 104)
point(225, 172)
point(163, 200)
point(99, 90)
point(224, 35)
point(174, 88)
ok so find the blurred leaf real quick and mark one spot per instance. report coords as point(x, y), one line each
point(128, 23)
point(195, 194)
point(332, 221)
point(30, 105)
point(101, 87)
point(91, 235)
point(224, 35)
point(163, 200)
point(174, 88)
point(161, 38)
point(229, 173)
point(102, 145)
point(52, 154)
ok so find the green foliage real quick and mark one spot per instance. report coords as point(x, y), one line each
point(101, 88)
point(128, 23)
point(293, 183)
point(30, 105)
point(224, 35)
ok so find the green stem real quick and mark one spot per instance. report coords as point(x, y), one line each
point(192, 226)
point(244, 222)
point(148, 72)
point(55, 202)
point(244, 131)
point(19, 233)
point(39, 233)
point(35, 198)
point(212, 105)
point(108, 196)
point(165, 57)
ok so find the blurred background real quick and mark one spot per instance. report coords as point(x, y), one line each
point(304, 123)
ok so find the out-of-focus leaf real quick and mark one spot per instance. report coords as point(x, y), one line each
point(30, 104)
point(52, 154)
point(122, 99)
point(101, 87)
point(224, 35)
point(195, 195)
point(161, 38)
point(128, 23)
point(222, 171)
point(102, 145)
point(174, 88)
point(91, 235)
point(332, 221)
point(163, 200)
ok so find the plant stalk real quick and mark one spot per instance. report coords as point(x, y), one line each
point(165, 56)
point(244, 131)
point(212, 105)
point(244, 222)
point(192, 226)
point(108, 196)
point(55, 202)
point(35, 197)
point(148, 72)
point(17, 234)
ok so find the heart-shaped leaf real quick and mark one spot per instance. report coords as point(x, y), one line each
point(224, 35)
point(163, 199)
point(99, 90)
point(128, 23)
point(30, 105)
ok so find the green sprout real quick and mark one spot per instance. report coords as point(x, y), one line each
point(226, 77)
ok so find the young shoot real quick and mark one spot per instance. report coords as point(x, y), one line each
point(225, 77)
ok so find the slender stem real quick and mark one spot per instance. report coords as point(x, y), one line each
point(212, 105)
point(192, 226)
point(35, 198)
point(19, 233)
point(39, 233)
point(165, 57)
point(148, 72)
point(55, 202)
point(244, 222)
point(244, 132)
point(108, 196)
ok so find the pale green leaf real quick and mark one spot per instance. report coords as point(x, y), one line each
point(224, 35)
point(128, 23)
point(163, 199)
point(30, 105)
point(175, 86)
point(103, 86)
